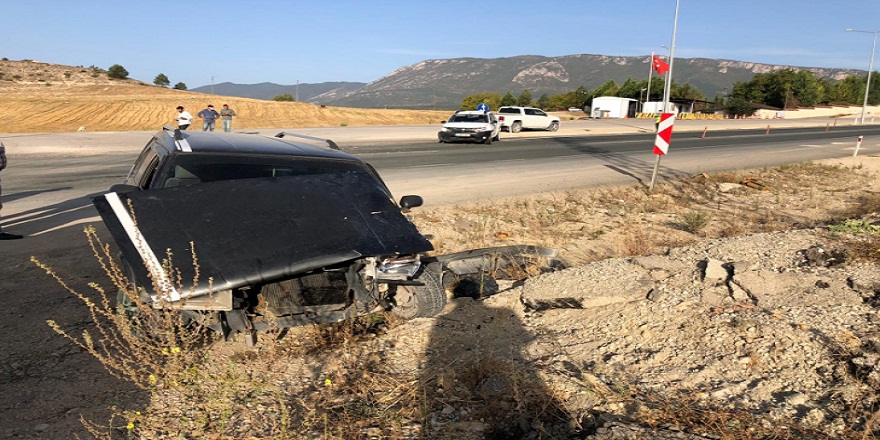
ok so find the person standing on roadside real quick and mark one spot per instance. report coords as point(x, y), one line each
point(183, 118)
point(209, 115)
point(5, 235)
point(226, 115)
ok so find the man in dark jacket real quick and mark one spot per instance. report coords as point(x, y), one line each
point(209, 115)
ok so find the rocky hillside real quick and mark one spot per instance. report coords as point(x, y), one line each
point(443, 83)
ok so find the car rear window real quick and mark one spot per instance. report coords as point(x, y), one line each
point(508, 110)
point(187, 169)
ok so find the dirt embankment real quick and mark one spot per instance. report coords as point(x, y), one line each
point(41, 97)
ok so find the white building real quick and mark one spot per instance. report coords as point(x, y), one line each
point(655, 106)
point(613, 107)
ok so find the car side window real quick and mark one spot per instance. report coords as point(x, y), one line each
point(530, 111)
point(142, 172)
point(540, 113)
point(149, 172)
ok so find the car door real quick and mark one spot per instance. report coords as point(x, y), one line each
point(532, 119)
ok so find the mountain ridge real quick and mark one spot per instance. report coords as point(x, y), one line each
point(443, 83)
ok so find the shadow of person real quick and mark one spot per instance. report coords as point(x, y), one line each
point(478, 383)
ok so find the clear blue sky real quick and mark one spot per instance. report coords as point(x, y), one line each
point(253, 41)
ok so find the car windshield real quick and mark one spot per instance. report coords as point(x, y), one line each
point(469, 118)
point(190, 168)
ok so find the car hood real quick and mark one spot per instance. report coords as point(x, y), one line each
point(245, 232)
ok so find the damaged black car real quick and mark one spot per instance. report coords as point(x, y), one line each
point(245, 233)
point(281, 233)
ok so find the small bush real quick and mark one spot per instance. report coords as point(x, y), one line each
point(854, 227)
point(694, 221)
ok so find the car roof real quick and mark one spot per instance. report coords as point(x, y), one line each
point(239, 143)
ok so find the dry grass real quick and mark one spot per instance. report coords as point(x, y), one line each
point(79, 97)
point(334, 382)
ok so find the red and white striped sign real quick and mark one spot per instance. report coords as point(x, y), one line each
point(664, 133)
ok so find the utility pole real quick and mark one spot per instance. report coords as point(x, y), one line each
point(870, 69)
point(667, 86)
point(650, 75)
point(297, 91)
point(212, 84)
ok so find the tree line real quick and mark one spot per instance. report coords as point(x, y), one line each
point(781, 89)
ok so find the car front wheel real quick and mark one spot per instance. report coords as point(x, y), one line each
point(553, 126)
point(421, 301)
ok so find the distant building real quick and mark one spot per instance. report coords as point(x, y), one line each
point(613, 107)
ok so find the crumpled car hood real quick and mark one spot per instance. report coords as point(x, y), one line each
point(251, 231)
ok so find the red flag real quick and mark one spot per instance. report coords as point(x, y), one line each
point(659, 65)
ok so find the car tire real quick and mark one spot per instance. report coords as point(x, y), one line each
point(497, 136)
point(553, 126)
point(421, 301)
point(488, 140)
point(516, 127)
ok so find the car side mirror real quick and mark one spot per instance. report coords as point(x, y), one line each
point(122, 188)
point(407, 202)
point(442, 122)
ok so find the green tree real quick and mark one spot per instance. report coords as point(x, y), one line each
point(508, 99)
point(686, 91)
point(117, 72)
point(544, 102)
point(180, 86)
point(287, 97)
point(632, 89)
point(740, 107)
point(470, 102)
point(524, 99)
point(610, 88)
point(161, 80)
point(559, 102)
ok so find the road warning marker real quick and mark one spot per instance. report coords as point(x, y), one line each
point(661, 142)
point(664, 133)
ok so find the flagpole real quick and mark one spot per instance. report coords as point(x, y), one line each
point(650, 75)
point(666, 88)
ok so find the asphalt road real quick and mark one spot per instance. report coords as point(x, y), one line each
point(54, 174)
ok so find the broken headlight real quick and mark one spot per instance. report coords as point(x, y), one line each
point(398, 269)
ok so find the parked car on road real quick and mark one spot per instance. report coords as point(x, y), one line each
point(516, 119)
point(474, 126)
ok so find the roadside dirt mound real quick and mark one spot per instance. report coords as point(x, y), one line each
point(42, 97)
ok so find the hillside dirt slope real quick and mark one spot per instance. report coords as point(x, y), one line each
point(41, 97)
